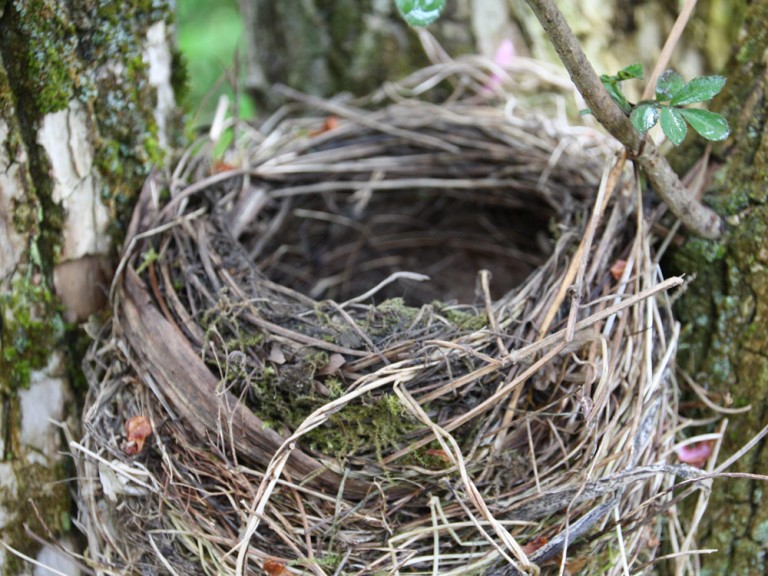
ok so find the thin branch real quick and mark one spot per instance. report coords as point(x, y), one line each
point(698, 218)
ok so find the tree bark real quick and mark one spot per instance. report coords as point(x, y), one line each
point(325, 47)
point(726, 307)
point(86, 105)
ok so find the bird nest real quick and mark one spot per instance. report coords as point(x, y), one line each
point(413, 338)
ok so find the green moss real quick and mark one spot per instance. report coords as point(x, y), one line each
point(41, 485)
point(696, 309)
point(726, 336)
point(100, 61)
point(370, 425)
point(335, 388)
point(108, 161)
point(77, 342)
point(390, 317)
point(54, 52)
point(179, 77)
point(122, 101)
point(45, 43)
point(430, 456)
point(752, 43)
point(180, 81)
point(725, 309)
point(6, 99)
point(152, 148)
point(760, 533)
point(284, 396)
point(30, 327)
point(24, 216)
point(709, 251)
point(465, 319)
point(733, 199)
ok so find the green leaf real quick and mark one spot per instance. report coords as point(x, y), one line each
point(698, 90)
point(710, 125)
point(630, 72)
point(611, 84)
point(420, 12)
point(644, 117)
point(669, 84)
point(616, 94)
point(673, 125)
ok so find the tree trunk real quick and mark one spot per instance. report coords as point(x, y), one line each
point(86, 104)
point(726, 308)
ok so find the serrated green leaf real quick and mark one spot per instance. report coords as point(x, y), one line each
point(669, 84)
point(698, 90)
point(710, 125)
point(420, 12)
point(630, 72)
point(644, 117)
point(673, 125)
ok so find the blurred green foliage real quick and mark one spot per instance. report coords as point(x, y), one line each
point(210, 35)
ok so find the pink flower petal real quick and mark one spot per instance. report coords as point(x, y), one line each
point(695, 454)
point(505, 55)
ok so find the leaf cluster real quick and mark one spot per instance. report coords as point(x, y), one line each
point(672, 94)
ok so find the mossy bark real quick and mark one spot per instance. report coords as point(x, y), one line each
point(81, 121)
point(325, 47)
point(725, 309)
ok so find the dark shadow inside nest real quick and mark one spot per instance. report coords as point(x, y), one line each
point(338, 247)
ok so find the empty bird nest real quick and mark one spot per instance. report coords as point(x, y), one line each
point(421, 336)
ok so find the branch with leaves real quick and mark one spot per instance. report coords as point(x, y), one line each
point(698, 218)
point(626, 122)
point(672, 94)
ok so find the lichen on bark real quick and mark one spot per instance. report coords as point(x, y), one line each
point(58, 56)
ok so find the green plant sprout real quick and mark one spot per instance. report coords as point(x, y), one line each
point(672, 93)
point(420, 12)
point(611, 83)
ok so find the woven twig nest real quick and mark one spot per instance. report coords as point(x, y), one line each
point(318, 406)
